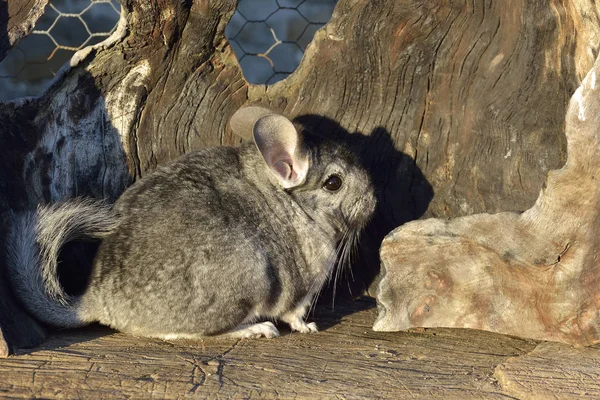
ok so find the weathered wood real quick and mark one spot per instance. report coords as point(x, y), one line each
point(17, 18)
point(535, 274)
point(345, 360)
point(554, 371)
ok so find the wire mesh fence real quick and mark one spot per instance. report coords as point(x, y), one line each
point(65, 27)
point(268, 37)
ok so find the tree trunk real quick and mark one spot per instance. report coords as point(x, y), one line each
point(462, 103)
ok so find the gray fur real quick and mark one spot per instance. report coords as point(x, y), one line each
point(33, 245)
point(208, 244)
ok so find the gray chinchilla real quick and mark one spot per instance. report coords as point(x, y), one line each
point(212, 243)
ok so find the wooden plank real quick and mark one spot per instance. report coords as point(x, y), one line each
point(552, 370)
point(345, 360)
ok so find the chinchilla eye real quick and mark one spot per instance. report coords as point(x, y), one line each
point(333, 183)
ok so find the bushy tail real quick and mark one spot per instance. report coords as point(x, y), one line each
point(33, 246)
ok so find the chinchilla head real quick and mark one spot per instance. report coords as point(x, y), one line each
point(323, 176)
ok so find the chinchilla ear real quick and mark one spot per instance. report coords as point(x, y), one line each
point(243, 120)
point(281, 147)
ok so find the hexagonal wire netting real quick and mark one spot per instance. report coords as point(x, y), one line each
point(267, 36)
point(65, 27)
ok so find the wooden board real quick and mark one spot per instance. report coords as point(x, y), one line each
point(552, 370)
point(345, 360)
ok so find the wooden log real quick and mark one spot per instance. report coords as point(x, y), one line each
point(443, 90)
point(345, 360)
point(535, 274)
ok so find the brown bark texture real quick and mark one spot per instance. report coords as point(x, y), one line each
point(460, 105)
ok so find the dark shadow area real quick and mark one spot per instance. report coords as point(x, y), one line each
point(4, 43)
point(403, 194)
point(61, 339)
point(75, 262)
point(18, 329)
point(327, 317)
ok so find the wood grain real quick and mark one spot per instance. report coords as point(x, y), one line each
point(553, 371)
point(345, 360)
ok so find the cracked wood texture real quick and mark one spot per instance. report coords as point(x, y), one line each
point(345, 360)
point(462, 103)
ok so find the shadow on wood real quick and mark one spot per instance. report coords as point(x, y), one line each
point(403, 194)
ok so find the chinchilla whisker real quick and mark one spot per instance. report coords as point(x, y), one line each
point(319, 282)
point(340, 256)
point(327, 278)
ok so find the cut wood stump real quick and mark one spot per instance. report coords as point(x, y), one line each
point(535, 274)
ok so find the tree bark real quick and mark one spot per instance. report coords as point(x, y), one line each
point(462, 103)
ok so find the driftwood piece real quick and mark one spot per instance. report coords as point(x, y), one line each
point(443, 89)
point(535, 274)
point(17, 18)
